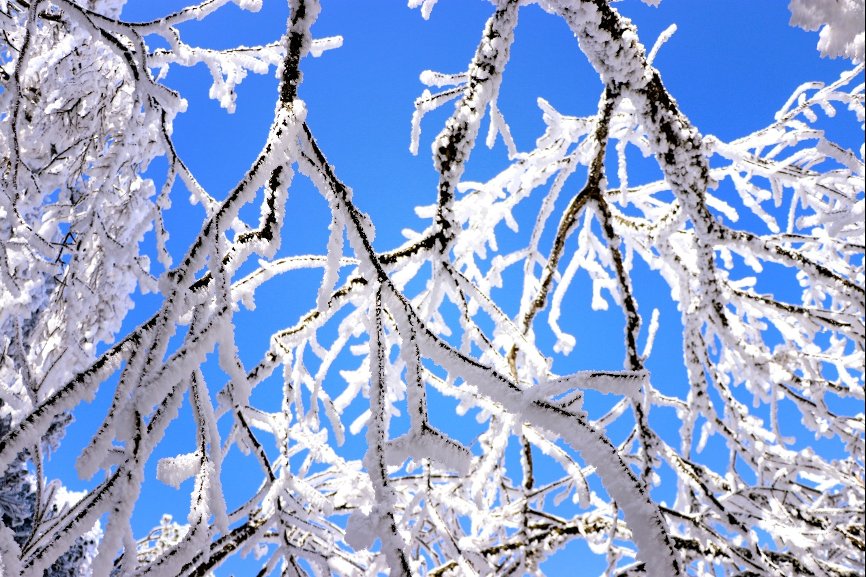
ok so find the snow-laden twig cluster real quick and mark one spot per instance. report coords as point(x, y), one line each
point(426, 316)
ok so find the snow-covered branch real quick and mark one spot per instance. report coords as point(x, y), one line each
point(430, 355)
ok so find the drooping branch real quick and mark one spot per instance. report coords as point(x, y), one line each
point(436, 506)
point(651, 537)
point(452, 147)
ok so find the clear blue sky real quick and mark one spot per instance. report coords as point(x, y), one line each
point(730, 65)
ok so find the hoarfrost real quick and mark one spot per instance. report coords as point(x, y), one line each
point(390, 326)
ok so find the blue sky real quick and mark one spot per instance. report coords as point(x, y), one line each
point(730, 65)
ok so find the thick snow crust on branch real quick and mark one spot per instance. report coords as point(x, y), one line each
point(840, 24)
point(407, 349)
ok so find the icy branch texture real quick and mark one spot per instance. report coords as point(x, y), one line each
point(83, 113)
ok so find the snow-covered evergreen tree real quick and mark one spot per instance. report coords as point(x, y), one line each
point(25, 504)
point(83, 113)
